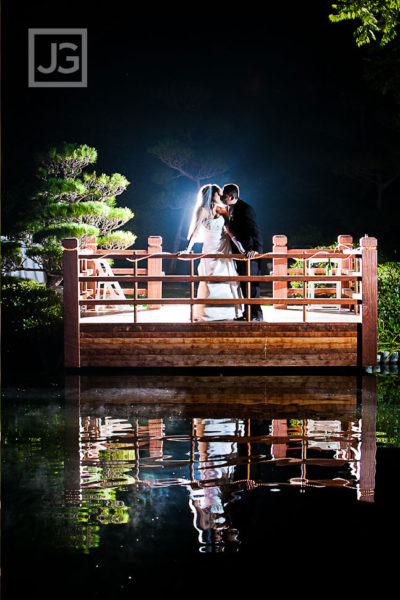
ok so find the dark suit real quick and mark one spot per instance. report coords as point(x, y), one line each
point(243, 225)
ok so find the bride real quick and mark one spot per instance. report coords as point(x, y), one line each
point(209, 226)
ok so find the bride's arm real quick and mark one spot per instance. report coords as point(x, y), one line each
point(201, 213)
point(190, 244)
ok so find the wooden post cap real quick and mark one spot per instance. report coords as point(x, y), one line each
point(345, 239)
point(279, 240)
point(368, 242)
point(154, 240)
point(70, 243)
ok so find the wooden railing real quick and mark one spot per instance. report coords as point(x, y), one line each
point(365, 280)
point(89, 288)
point(352, 264)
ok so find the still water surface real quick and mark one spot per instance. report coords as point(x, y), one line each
point(112, 484)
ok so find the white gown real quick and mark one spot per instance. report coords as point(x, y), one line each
point(215, 240)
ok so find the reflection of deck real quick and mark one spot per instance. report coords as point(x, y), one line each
point(322, 434)
point(177, 313)
point(229, 396)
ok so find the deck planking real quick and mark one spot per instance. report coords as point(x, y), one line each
point(219, 344)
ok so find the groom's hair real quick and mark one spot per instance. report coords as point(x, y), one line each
point(231, 189)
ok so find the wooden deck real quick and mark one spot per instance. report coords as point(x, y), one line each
point(292, 337)
point(219, 344)
point(180, 313)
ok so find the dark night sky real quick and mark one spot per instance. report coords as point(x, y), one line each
point(279, 97)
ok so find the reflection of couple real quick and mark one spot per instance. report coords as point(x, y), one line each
point(222, 222)
point(214, 488)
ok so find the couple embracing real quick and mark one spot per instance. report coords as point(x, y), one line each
point(225, 224)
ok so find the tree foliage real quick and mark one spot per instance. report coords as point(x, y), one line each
point(71, 203)
point(182, 159)
point(389, 306)
point(379, 19)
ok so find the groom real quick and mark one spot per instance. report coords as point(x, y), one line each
point(243, 225)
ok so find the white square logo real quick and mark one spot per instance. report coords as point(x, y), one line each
point(57, 57)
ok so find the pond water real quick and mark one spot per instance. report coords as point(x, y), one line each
point(114, 484)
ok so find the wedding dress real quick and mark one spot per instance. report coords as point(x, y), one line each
point(215, 239)
point(209, 498)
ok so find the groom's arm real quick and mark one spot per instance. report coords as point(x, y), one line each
point(252, 238)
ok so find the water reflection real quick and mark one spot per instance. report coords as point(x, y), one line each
point(215, 438)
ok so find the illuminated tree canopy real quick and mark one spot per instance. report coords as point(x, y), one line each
point(379, 19)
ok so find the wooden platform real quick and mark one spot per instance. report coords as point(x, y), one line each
point(291, 335)
point(180, 313)
point(224, 344)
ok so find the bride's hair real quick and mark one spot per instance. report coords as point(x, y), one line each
point(205, 207)
point(212, 211)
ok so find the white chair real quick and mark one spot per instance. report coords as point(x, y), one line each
point(107, 290)
point(336, 264)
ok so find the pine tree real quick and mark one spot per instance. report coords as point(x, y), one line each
point(73, 203)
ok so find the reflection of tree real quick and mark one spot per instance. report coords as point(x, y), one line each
point(82, 515)
point(388, 416)
point(105, 468)
point(106, 462)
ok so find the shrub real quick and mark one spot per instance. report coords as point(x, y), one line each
point(32, 323)
point(389, 307)
point(11, 258)
point(29, 305)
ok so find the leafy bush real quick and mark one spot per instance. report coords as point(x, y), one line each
point(32, 326)
point(389, 307)
point(29, 305)
point(11, 257)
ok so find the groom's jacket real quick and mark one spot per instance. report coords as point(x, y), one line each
point(243, 225)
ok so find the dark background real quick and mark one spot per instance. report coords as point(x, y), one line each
point(284, 98)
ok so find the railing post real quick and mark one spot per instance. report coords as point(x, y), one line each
point(71, 302)
point(248, 287)
point(345, 242)
point(279, 267)
point(135, 291)
point(91, 245)
point(368, 439)
point(369, 300)
point(156, 435)
point(279, 429)
point(154, 267)
point(72, 474)
point(192, 291)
